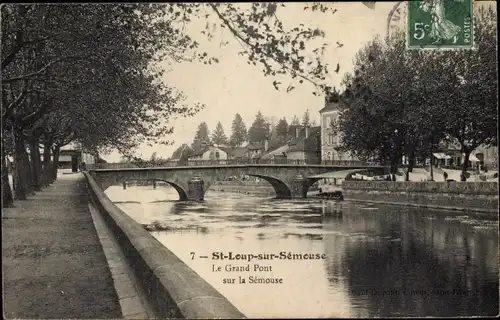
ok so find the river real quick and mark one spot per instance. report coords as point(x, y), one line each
point(377, 260)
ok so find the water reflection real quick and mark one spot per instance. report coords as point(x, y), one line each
point(380, 260)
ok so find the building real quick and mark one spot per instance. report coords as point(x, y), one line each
point(277, 154)
point(330, 137)
point(181, 154)
point(208, 153)
point(487, 156)
point(72, 157)
point(306, 146)
point(237, 153)
point(451, 156)
point(256, 149)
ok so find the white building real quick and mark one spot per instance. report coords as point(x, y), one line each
point(209, 153)
point(330, 137)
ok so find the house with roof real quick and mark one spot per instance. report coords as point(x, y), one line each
point(237, 153)
point(208, 152)
point(256, 148)
point(181, 154)
point(73, 157)
point(306, 146)
point(449, 154)
point(331, 137)
point(277, 154)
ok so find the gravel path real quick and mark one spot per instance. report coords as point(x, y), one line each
point(53, 263)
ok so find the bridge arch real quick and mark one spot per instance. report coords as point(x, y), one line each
point(180, 190)
point(283, 191)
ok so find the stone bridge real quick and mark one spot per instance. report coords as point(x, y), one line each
point(191, 182)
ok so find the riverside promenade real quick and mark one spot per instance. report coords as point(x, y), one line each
point(53, 263)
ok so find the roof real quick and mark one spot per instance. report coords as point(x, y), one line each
point(200, 152)
point(257, 145)
point(239, 152)
point(205, 149)
point(312, 143)
point(331, 106)
point(184, 151)
point(278, 151)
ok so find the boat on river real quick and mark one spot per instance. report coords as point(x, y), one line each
point(327, 191)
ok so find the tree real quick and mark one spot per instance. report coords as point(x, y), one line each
point(238, 131)
point(218, 136)
point(201, 138)
point(58, 60)
point(57, 76)
point(259, 130)
point(295, 121)
point(405, 102)
point(306, 121)
point(465, 87)
point(282, 130)
point(385, 110)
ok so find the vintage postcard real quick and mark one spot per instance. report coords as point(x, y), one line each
point(250, 160)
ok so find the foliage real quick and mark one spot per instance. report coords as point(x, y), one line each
point(295, 121)
point(92, 74)
point(306, 120)
point(238, 132)
point(406, 102)
point(259, 130)
point(267, 42)
point(201, 138)
point(218, 136)
point(282, 130)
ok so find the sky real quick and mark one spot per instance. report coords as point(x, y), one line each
point(232, 86)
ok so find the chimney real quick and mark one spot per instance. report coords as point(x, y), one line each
point(266, 144)
point(297, 132)
point(203, 145)
point(307, 132)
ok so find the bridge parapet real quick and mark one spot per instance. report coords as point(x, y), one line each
point(175, 290)
point(233, 162)
point(192, 182)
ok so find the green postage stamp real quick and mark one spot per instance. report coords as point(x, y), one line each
point(440, 24)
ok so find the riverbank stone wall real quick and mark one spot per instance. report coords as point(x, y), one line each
point(465, 196)
point(173, 288)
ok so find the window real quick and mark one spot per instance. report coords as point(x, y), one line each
point(327, 122)
point(217, 155)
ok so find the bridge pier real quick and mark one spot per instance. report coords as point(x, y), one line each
point(195, 189)
point(299, 187)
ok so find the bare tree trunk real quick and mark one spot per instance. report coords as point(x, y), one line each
point(47, 162)
point(463, 175)
point(20, 188)
point(411, 165)
point(431, 169)
point(36, 168)
point(7, 197)
point(55, 162)
point(30, 190)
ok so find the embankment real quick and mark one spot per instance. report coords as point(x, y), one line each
point(480, 197)
point(257, 188)
point(173, 288)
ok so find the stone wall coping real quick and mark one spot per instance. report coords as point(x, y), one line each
point(484, 188)
point(240, 166)
point(174, 288)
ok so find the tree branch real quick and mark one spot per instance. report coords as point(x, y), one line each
point(245, 41)
point(42, 70)
point(20, 99)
